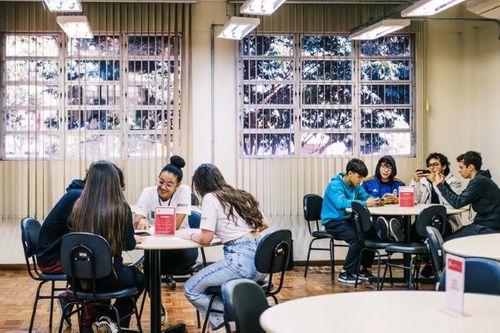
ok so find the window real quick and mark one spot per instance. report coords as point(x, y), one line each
point(89, 97)
point(324, 95)
point(31, 109)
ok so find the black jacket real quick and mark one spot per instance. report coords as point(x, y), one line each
point(483, 195)
point(56, 225)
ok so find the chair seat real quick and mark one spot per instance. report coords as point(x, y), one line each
point(408, 248)
point(190, 270)
point(376, 244)
point(214, 290)
point(105, 295)
point(53, 277)
point(321, 234)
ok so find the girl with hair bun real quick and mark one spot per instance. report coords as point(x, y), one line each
point(169, 191)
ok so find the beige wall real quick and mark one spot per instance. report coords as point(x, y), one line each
point(458, 74)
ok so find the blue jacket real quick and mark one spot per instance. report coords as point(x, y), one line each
point(374, 187)
point(339, 196)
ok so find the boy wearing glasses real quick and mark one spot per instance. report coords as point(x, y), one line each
point(428, 193)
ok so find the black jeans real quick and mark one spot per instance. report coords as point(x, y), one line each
point(471, 230)
point(126, 277)
point(344, 230)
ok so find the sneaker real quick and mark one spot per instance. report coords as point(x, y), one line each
point(163, 314)
point(347, 278)
point(396, 231)
point(383, 225)
point(104, 325)
point(365, 275)
point(62, 301)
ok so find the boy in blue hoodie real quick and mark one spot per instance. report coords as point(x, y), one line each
point(342, 190)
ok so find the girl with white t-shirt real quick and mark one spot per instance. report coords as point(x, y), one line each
point(233, 216)
point(168, 192)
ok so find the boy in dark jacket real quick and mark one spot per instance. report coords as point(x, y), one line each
point(481, 193)
point(55, 227)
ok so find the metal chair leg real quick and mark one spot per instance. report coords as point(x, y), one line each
point(207, 315)
point(37, 297)
point(332, 259)
point(308, 256)
point(379, 258)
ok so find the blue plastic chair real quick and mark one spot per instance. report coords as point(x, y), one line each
point(482, 276)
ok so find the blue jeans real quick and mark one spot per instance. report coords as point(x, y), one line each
point(238, 263)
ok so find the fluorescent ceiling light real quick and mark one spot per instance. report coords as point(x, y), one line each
point(75, 26)
point(428, 7)
point(64, 5)
point(238, 27)
point(260, 7)
point(380, 29)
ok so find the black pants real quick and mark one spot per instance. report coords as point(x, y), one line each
point(126, 277)
point(471, 230)
point(174, 262)
point(344, 230)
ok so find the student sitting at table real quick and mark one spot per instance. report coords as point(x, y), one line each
point(427, 193)
point(102, 210)
point(54, 227)
point(169, 191)
point(481, 193)
point(385, 185)
point(342, 190)
point(233, 216)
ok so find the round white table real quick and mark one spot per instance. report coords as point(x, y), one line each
point(154, 244)
point(383, 311)
point(482, 246)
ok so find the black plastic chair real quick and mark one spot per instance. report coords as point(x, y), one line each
point(271, 257)
point(312, 204)
point(362, 223)
point(434, 216)
point(85, 258)
point(30, 232)
point(482, 276)
point(435, 241)
point(244, 302)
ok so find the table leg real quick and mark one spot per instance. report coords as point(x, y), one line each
point(155, 289)
point(155, 295)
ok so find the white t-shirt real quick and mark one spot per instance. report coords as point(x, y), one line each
point(214, 218)
point(149, 199)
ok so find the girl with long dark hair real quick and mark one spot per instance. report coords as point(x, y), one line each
point(103, 210)
point(233, 216)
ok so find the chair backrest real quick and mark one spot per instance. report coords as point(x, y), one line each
point(312, 205)
point(272, 255)
point(362, 220)
point(435, 241)
point(85, 257)
point(194, 219)
point(434, 216)
point(30, 232)
point(482, 276)
point(244, 301)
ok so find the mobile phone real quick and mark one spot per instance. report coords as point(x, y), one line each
point(424, 171)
